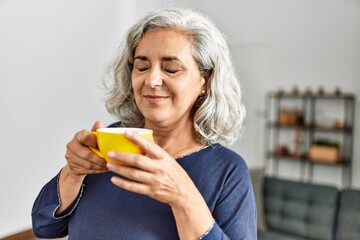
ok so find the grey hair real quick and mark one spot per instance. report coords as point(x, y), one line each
point(219, 115)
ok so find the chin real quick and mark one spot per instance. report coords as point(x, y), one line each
point(154, 117)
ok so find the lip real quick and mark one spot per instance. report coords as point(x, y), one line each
point(155, 98)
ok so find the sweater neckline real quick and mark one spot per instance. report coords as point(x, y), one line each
point(191, 153)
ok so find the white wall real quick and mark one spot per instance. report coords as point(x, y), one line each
point(52, 57)
point(281, 43)
point(53, 54)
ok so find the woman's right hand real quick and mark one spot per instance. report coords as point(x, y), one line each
point(80, 162)
point(80, 158)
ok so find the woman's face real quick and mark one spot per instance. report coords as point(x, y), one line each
point(165, 78)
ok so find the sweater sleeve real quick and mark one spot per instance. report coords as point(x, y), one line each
point(235, 211)
point(44, 222)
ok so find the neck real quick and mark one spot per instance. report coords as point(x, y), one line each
point(177, 141)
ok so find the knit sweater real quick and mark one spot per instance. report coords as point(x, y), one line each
point(105, 211)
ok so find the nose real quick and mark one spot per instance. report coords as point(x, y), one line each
point(154, 78)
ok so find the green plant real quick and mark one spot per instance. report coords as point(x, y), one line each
point(325, 142)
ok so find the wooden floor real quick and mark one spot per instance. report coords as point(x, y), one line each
point(25, 235)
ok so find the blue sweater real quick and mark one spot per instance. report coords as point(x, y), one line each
point(104, 211)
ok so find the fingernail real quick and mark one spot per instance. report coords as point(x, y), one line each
point(128, 133)
point(110, 166)
point(111, 154)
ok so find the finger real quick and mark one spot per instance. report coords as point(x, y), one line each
point(81, 166)
point(90, 159)
point(94, 163)
point(78, 152)
point(86, 138)
point(149, 147)
point(131, 173)
point(134, 160)
point(131, 186)
point(80, 170)
point(97, 124)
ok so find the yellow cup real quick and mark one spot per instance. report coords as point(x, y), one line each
point(113, 139)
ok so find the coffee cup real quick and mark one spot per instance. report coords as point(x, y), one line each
point(114, 139)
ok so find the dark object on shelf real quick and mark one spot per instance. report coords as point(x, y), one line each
point(290, 117)
point(280, 92)
point(339, 125)
point(337, 91)
point(321, 90)
point(295, 90)
point(308, 91)
point(281, 150)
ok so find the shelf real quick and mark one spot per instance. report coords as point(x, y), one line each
point(297, 114)
point(290, 126)
point(291, 157)
point(332, 129)
point(309, 127)
point(287, 156)
point(345, 96)
point(338, 162)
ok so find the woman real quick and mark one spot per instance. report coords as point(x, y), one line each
point(174, 76)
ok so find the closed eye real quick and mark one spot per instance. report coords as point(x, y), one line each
point(172, 71)
point(142, 69)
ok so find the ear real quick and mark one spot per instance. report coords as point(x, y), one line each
point(204, 80)
point(203, 86)
point(207, 75)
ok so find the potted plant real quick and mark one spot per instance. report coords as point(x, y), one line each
point(325, 150)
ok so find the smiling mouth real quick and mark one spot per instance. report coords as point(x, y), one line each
point(154, 98)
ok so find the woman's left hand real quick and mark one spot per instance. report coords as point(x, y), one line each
point(158, 175)
point(155, 174)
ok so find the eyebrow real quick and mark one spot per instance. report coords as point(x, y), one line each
point(143, 58)
point(166, 58)
point(170, 58)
